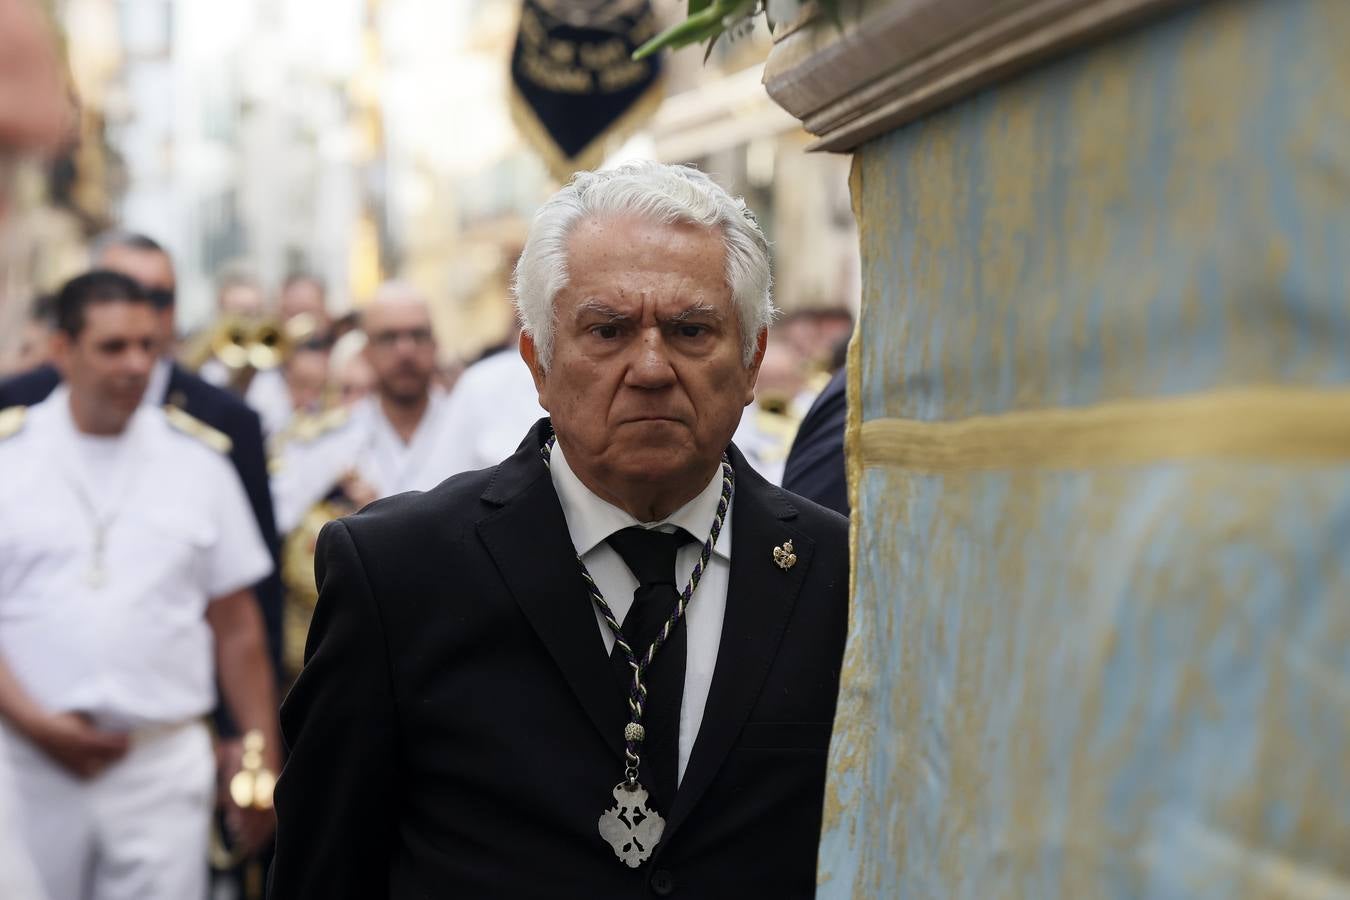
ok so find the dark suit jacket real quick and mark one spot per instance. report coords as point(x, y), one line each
point(458, 730)
point(815, 465)
point(224, 412)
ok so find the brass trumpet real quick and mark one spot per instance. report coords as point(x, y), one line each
point(246, 345)
point(250, 343)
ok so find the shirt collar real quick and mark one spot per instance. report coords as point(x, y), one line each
point(370, 410)
point(158, 385)
point(54, 413)
point(591, 520)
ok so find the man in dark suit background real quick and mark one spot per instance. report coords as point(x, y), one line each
point(815, 465)
point(144, 260)
point(465, 725)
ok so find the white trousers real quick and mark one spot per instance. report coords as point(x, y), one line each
point(138, 831)
point(18, 876)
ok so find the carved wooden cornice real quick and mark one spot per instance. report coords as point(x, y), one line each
point(896, 60)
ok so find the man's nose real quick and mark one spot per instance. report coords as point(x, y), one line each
point(140, 360)
point(651, 366)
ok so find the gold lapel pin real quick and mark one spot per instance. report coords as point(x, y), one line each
point(784, 557)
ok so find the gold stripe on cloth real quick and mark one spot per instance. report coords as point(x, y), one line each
point(1260, 424)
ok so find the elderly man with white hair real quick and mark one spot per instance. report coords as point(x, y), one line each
point(607, 666)
point(385, 444)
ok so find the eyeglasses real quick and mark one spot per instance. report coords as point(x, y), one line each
point(420, 337)
point(160, 298)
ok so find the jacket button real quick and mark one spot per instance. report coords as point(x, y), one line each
point(663, 883)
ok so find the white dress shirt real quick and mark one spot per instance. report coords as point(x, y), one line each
point(270, 396)
point(120, 635)
point(493, 405)
point(267, 393)
point(590, 520)
point(158, 387)
point(368, 445)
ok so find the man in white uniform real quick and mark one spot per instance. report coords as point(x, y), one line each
point(127, 551)
point(390, 442)
point(493, 404)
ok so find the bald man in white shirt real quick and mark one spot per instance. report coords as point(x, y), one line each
point(387, 443)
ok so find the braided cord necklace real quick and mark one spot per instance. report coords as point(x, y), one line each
point(630, 827)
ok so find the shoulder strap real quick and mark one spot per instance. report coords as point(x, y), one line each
point(193, 427)
point(310, 428)
point(11, 420)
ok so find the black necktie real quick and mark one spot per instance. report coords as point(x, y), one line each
point(650, 556)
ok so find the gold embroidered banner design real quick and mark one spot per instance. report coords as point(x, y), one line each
point(1268, 424)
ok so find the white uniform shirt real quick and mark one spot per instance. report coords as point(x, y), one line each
point(367, 444)
point(270, 396)
point(135, 650)
point(590, 520)
point(267, 394)
point(158, 387)
point(493, 405)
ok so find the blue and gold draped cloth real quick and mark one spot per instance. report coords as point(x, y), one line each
point(1100, 452)
point(573, 84)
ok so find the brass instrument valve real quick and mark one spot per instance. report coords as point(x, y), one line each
point(252, 786)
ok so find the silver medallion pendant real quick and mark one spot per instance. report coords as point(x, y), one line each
point(630, 827)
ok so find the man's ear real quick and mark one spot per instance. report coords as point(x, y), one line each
point(166, 337)
point(752, 370)
point(529, 352)
point(59, 346)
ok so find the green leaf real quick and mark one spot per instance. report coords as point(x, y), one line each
point(712, 42)
point(707, 22)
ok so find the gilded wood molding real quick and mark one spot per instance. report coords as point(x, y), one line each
point(896, 61)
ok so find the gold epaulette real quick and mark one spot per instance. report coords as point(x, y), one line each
point(194, 427)
point(11, 420)
point(303, 430)
point(313, 427)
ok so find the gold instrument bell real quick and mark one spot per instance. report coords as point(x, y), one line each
point(251, 787)
point(246, 345)
point(249, 343)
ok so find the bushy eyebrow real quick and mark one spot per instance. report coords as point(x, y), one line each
point(701, 311)
point(600, 309)
point(610, 314)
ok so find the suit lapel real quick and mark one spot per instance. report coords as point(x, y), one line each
point(528, 540)
point(175, 391)
point(760, 600)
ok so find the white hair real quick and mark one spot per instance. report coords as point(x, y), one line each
point(660, 193)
